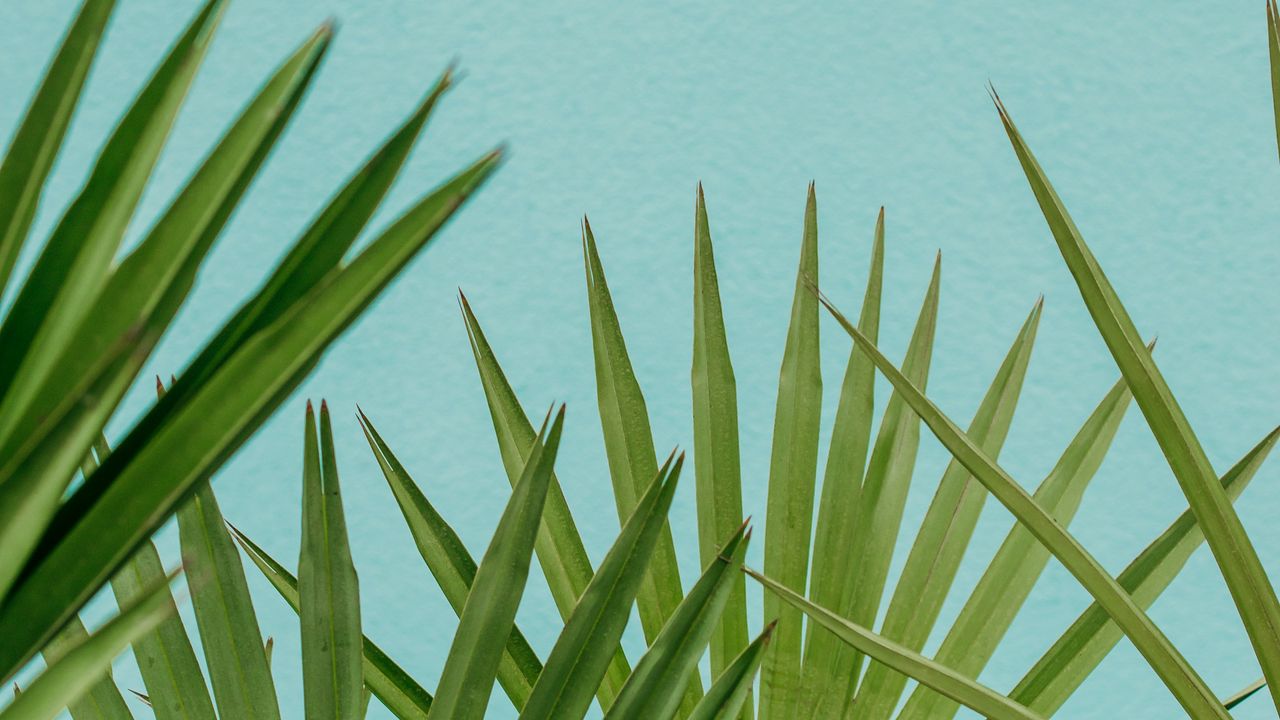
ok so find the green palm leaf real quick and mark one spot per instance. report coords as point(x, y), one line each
point(656, 687)
point(146, 291)
point(167, 662)
point(793, 468)
point(559, 547)
point(68, 275)
point(729, 695)
point(980, 698)
point(489, 615)
point(75, 263)
point(1183, 681)
point(102, 701)
point(328, 591)
point(395, 688)
point(881, 500)
point(1017, 565)
point(229, 633)
point(183, 440)
point(1245, 693)
point(945, 532)
point(1083, 646)
point(84, 665)
point(1245, 576)
point(628, 443)
point(828, 663)
point(715, 437)
point(451, 565)
point(38, 139)
point(584, 649)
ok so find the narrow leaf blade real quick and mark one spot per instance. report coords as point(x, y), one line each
point(328, 589)
point(655, 689)
point(715, 437)
point(1017, 565)
point(395, 688)
point(450, 564)
point(489, 615)
point(980, 698)
point(793, 468)
point(1251, 589)
point(1183, 681)
point(582, 652)
point(1084, 645)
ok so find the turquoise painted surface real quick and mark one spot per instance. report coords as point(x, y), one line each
point(1155, 126)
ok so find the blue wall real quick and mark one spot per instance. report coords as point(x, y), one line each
point(1155, 126)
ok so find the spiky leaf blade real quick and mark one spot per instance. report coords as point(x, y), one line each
point(395, 688)
point(559, 547)
point(584, 649)
point(828, 663)
point(1181, 679)
point(715, 437)
point(1012, 573)
point(944, 533)
point(1080, 650)
point(980, 698)
point(38, 139)
point(229, 631)
point(655, 690)
point(450, 563)
point(793, 468)
point(728, 696)
point(328, 589)
point(489, 615)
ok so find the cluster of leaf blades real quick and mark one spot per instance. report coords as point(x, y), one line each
point(826, 561)
point(834, 567)
point(86, 316)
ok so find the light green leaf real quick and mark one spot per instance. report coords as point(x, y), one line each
point(628, 443)
point(1017, 565)
point(582, 653)
point(81, 667)
point(175, 684)
point(715, 438)
point(793, 468)
point(36, 143)
point(881, 501)
point(489, 615)
point(1245, 693)
point(229, 631)
point(655, 689)
point(728, 696)
point(944, 534)
point(1245, 576)
point(451, 565)
point(828, 663)
point(980, 698)
point(559, 547)
point(1183, 681)
point(395, 688)
point(327, 586)
point(1083, 646)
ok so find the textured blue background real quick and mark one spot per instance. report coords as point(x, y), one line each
point(1155, 126)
